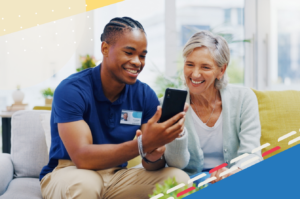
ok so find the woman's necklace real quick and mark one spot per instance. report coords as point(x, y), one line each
point(211, 112)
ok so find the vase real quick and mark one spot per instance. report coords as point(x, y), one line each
point(18, 96)
point(48, 101)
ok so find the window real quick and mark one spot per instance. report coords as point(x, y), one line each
point(227, 16)
point(273, 57)
point(288, 47)
point(188, 30)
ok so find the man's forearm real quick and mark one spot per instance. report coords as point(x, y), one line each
point(104, 156)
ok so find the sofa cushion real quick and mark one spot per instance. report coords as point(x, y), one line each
point(23, 188)
point(45, 121)
point(279, 113)
point(6, 171)
point(28, 145)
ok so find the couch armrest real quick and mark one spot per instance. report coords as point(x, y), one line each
point(6, 171)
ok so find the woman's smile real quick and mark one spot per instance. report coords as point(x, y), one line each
point(197, 82)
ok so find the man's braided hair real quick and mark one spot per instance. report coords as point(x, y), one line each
point(116, 26)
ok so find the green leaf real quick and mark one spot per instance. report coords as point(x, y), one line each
point(86, 62)
point(168, 184)
point(47, 93)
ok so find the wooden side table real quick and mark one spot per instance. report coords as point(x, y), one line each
point(6, 131)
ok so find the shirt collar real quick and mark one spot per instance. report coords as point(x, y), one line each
point(98, 90)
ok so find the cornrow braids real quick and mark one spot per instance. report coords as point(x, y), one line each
point(116, 26)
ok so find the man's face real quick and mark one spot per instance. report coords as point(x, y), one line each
point(126, 57)
point(125, 116)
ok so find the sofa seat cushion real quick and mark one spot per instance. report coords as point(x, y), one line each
point(23, 188)
point(279, 113)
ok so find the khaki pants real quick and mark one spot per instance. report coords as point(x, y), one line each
point(68, 182)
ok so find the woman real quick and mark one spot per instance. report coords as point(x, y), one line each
point(222, 121)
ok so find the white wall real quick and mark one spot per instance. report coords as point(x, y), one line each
point(43, 56)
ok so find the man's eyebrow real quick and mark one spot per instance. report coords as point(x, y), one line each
point(132, 48)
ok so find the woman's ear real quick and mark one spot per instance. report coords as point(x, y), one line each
point(223, 69)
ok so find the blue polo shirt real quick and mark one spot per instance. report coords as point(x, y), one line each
point(80, 97)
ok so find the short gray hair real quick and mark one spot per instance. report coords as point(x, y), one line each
point(217, 46)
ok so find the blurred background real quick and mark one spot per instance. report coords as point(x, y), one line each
point(263, 35)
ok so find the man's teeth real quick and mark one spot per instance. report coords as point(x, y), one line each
point(132, 71)
point(194, 82)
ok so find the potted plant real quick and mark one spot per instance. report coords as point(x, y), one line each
point(170, 183)
point(86, 62)
point(48, 95)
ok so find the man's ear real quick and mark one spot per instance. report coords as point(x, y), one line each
point(104, 48)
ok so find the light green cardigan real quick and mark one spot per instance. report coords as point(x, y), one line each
point(241, 133)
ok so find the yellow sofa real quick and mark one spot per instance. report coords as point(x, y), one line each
point(279, 113)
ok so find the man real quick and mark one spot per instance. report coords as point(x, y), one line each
point(90, 146)
point(125, 116)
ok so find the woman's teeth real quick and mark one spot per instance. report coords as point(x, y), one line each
point(132, 71)
point(194, 82)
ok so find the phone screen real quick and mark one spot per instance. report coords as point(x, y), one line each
point(173, 103)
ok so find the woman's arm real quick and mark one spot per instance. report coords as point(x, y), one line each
point(177, 153)
point(249, 136)
point(250, 131)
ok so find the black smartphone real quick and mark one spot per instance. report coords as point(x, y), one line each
point(173, 103)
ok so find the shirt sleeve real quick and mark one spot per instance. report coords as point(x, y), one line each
point(68, 103)
point(151, 103)
point(250, 132)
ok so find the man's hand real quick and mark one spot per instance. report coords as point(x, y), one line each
point(218, 172)
point(156, 154)
point(156, 135)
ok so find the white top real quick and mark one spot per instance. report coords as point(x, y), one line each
point(211, 141)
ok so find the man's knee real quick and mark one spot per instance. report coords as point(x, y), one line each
point(83, 189)
point(180, 175)
point(69, 183)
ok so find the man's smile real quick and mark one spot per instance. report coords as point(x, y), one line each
point(133, 71)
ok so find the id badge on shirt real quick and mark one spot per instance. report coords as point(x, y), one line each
point(131, 117)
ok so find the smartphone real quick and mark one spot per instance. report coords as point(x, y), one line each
point(173, 103)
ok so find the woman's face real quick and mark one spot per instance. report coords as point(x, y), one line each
point(200, 70)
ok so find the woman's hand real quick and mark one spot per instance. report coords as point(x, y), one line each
point(156, 154)
point(218, 172)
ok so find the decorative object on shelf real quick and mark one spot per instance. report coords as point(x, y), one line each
point(87, 62)
point(18, 97)
point(48, 95)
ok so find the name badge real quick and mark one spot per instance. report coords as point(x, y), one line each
point(131, 117)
